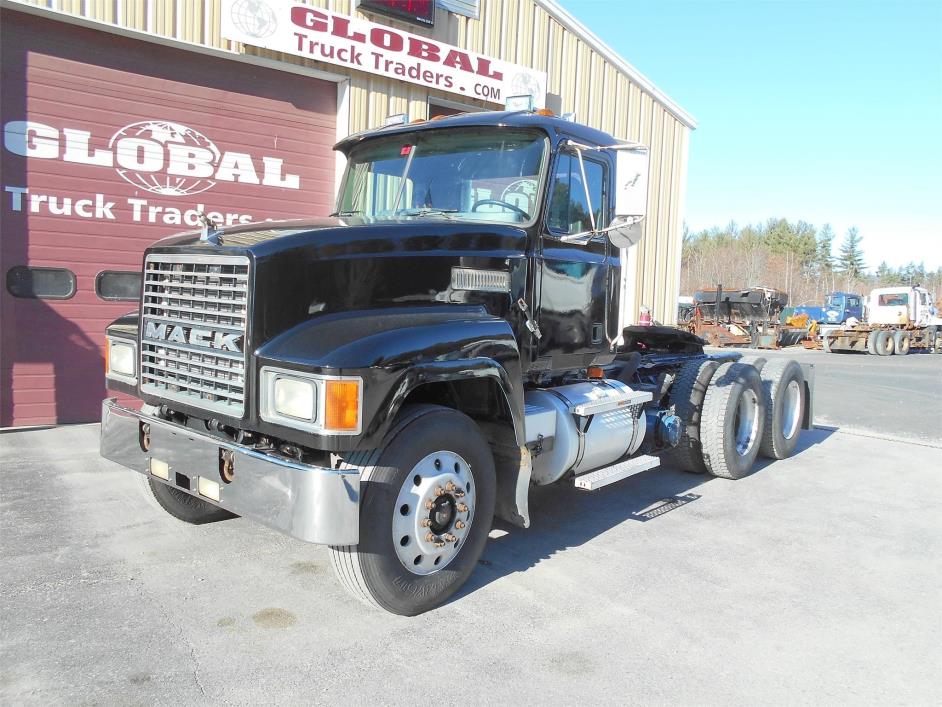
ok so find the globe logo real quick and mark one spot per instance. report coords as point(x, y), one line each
point(165, 158)
point(525, 84)
point(254, 18)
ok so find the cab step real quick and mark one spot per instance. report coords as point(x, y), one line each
point(610, 474)
point(612, 402)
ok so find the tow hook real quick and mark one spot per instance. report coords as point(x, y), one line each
point(226, 465)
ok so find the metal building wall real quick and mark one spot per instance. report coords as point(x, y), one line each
point(535, 33)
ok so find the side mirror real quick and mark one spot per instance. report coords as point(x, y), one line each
point(631, 195)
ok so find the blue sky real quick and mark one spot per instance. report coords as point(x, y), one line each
point(822, 111)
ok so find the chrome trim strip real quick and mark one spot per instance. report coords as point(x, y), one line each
point(478, 280)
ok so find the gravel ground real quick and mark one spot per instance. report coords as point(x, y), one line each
point(815, 580)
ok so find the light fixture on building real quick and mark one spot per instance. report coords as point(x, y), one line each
point(397, 119)
point(524, 102)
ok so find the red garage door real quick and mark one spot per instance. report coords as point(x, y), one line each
point(109, 144)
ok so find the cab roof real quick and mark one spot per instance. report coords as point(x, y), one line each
point(551, 125)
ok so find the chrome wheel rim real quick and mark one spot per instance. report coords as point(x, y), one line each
point(791, 409)
point(747, 422)
point(434, 512)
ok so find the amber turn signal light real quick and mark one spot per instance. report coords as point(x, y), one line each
point(342, 405)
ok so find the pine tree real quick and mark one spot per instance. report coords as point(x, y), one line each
point(851, 260)
point(824, 257)
point(884, 274)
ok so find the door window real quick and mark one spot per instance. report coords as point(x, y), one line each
point(569, 210)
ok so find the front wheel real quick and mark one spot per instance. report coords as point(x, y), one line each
point(426, 506)
point(181, 505)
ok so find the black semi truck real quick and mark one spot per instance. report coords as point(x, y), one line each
point(387, 380)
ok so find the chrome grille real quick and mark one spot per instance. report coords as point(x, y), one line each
point(193, 324)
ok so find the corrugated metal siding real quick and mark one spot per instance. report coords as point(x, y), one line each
point(517, 30)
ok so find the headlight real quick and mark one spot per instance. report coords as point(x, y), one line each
point(122, 359)
point(311, 402)
point(295, 398)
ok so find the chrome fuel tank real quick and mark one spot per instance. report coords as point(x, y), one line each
point(596, 423)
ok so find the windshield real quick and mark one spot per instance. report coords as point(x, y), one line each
point(484, 175)
point(833, 302)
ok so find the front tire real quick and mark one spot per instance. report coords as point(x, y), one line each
point(426, 507)
point(181, 505)
point(733, 420)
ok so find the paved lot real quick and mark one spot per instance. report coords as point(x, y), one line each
point(815, 580)
point(896, 396)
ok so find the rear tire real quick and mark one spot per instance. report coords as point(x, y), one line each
point(733, 420)
point(757, 362)
point(872, 342)
point(901, 342)
point(428, 447)
point(686, 397)
point(181, 505)
point(883, 343)
point(783, 391)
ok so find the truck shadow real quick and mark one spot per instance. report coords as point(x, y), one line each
point(564, 517)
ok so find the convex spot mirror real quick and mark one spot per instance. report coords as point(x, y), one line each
point(631, 196)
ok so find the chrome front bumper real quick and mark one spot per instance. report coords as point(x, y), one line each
point(312, 503)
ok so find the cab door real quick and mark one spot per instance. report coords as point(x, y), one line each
point(572, 275)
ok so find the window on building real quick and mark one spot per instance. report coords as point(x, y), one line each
point(569, 210)
point(118, 285)
point(40, 283)
point(468, 8)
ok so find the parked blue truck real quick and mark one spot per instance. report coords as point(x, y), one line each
point(838, 308)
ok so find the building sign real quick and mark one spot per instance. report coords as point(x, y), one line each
point(420, 12)
point(159, 157)
point(301, 30)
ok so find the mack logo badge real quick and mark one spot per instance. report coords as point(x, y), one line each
point(193, 336)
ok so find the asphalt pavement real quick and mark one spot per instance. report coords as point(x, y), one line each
point(815, 580)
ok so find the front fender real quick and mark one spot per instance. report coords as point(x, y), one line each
point(394, 351)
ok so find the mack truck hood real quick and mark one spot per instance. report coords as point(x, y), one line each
point(304, 269)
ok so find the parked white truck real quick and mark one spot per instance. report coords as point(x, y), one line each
point(899, 320)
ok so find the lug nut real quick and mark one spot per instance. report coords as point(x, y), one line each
point(429, 505)
point(450, 486)
point(459, 494)
point(439, 490)
point(431, 537)
point(426, 522)
point(462, 508)
point(450, 538)
point(459, 524)
point(440, 543)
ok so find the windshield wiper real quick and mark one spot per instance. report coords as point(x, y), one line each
point(346, 213)
point(427, 211)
